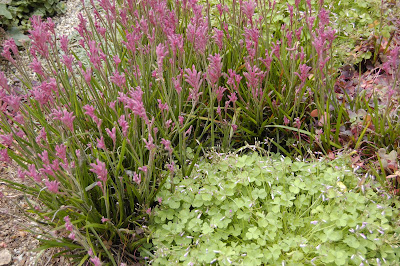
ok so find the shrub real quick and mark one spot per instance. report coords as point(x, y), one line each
point(253, 210)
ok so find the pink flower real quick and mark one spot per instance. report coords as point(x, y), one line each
point(149, 144)
point(64, 43)
point(52, 186)
point(66, 117)
point(112, 134)
point(96, 261)
point(124, 125)
point(194, 78)
point(177, 83)
point(170, 166)
point(33, 173)
point(323, 17)
point(44, 156)
point(304, 70)
point(180, 118)
point(100, 143)
point(148, 211)
point(248, 9)
point(117, 60)
point(8, 46)
point(68, 224)
point(234, 79)
point(176, 42)
point(4, 156)
point(68, 60)
point(161, 52)
point(254, 77)
point(220, 93)
point(40, 37)
point(286, 121)
point(6, 139)
point(267, 61)
point(162, 106)
point(134, 102)
point(103, 220)
point(214, 69)
point(100, 170)
point(167, 145)
point(219, 38)
point(137, 178)
point(159, 200)
point(143, 169)
point(61, 152)
point(118, 79)
point(71, 236)
point(36, 67)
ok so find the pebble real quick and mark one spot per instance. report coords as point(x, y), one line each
point(5, 257)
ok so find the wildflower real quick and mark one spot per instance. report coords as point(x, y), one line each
point(100, 170)
point(112, 134)
point(96, 261)
point(100, 143)
point(134, 102)
point(220, 93)
point(148, 211)
point(177, 83)
point(167, 145)
point(4, 156)
point(304, 70)
point(66, 117)
point(214, 69)
point(124, 125)
point(162, 106)
point(218, 38)
point(52, 186)
point(68, 224)
point(8, 46)
point(6, 139)
point(64, 43)
point(103, 220)
point(170, 166)
point(117, 60)
point(149, 144)
point(137, 178)
point(143, 168)
point(194, 78)
point(118, 79)
point(159, 199)
point(61, 152)
point(36, 67)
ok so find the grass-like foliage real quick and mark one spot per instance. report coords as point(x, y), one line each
point(100, 131)
point(252, 210)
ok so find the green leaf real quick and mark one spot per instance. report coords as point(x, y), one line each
point(4, 11)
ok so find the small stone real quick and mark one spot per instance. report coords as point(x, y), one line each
point(5, 257)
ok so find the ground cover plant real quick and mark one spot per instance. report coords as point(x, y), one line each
point(101, 132)
point(253, 210)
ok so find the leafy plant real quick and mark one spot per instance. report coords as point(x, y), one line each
point(255, 210)
point(15, 14)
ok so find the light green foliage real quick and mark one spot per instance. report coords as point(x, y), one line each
point(253, 210)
